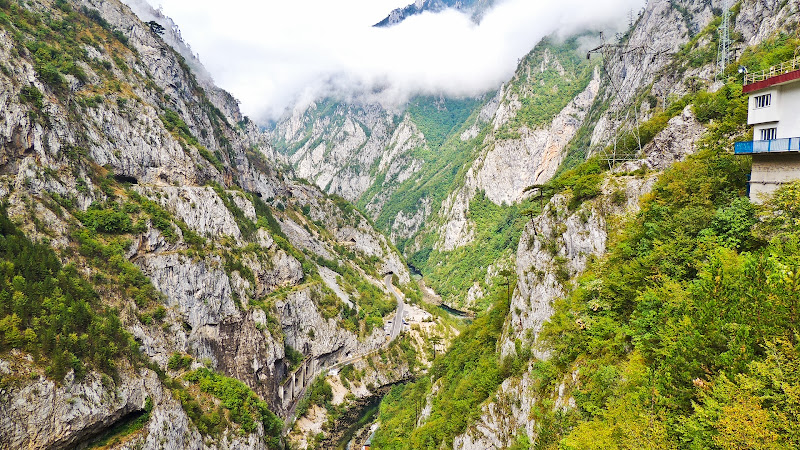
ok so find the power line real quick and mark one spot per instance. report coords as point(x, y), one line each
point(723, 50)
point(637, 56)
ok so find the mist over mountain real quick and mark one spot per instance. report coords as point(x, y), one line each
point(475, 7)
point(274, 56)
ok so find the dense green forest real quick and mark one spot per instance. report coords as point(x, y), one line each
point(52, 312)
point(684, 332)
point(438, 119)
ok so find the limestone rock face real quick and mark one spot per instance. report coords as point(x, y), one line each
point(508, 416)
point(631, 71)
point(552, 249)
point(200, 291)
point(489, 112)
point(458, 231)
point(200, 207)
point(347, 150)
point(247, 352)
point(78, 410)
point(173, 151)
point(348, 228)
point(283, 270)
point(299, 316)
point(406, 225)
point(44, 414)
point(509, 166)
point(672, 144)
point(512, 165)
point(329, 145)
point(758, 20)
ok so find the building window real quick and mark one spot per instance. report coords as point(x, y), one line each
point(769, 134)
point(762, 101)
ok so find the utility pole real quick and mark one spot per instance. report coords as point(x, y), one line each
point(507, 274)
point(723, 51)
point(435, 340)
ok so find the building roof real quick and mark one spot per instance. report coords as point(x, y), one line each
point(769, 82)
point(785, 72)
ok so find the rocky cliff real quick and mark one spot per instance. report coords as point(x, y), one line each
point(555, 246)
point(102, 117)
point(510, 164)
point(633, 113)
point(418, 171)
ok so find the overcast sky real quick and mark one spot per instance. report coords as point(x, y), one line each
point(271, 54)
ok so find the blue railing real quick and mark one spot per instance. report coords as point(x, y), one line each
point(772, 146)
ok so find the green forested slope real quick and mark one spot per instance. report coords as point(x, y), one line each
point(52, 312)
point(548, 78)
point(466, 376)
point(685, 334)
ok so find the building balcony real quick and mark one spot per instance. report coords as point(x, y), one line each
point(782, 73)
point(772, 146)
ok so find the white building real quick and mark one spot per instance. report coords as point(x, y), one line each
point(774, 112)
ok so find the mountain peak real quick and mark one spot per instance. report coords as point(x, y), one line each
point(475, 8)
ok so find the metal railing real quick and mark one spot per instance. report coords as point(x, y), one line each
point(774, 71)
point(771, 146)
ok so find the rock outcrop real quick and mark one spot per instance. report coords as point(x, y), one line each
point(553, 248)
point(215, 228)
point(508, 166)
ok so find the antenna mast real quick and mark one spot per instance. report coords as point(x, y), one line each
point(723, 52)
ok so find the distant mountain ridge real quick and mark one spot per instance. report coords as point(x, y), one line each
point(475, 7)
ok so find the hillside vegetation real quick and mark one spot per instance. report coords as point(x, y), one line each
point(549, 77)
point(681, 331)
point(54, 313)
point(684, 335)
point(464, 377)
point(445, 158)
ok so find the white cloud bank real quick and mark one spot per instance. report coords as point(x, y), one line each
point(272, 53)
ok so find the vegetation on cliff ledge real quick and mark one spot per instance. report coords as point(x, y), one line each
point(685, 335)
point(463, 378)
point(52, 312)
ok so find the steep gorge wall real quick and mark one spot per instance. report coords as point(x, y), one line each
point(555, 247)
point(141, 128)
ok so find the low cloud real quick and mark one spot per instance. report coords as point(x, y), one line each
point(272, 55)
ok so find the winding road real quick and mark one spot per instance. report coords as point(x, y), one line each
point(397, 324)
point(394, 331)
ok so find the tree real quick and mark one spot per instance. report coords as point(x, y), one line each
point(435, 340)
point(156, 27)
